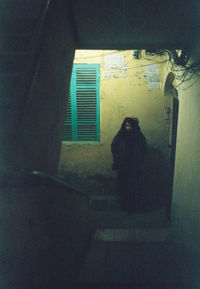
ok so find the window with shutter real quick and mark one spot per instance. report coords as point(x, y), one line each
point(82, 116)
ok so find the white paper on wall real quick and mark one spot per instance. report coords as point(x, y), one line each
point(153, 77)
point(114, 61)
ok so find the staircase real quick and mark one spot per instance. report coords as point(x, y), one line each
point(129, 251)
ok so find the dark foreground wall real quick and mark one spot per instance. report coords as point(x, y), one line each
point(44, 232)
point(41, 128)
point(33, 120)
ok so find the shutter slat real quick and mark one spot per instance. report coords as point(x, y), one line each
point(85, 76)
point(67, 135)
point(87, 132)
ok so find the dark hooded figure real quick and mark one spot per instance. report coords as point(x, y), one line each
point(128, 149)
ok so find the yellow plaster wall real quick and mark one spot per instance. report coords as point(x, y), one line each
point(123, 91)
point(186, 194)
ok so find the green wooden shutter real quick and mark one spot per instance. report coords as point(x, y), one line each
point(87, 93)
point(84, 91)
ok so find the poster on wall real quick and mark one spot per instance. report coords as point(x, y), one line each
point(152, 76)
point(114, 61)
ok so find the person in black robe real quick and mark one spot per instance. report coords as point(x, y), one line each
point(128, 149)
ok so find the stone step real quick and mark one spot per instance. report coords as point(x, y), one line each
point(121, 220)
point(113, 202)
point(104, 197)
point(105, 202)
point(132, 235)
